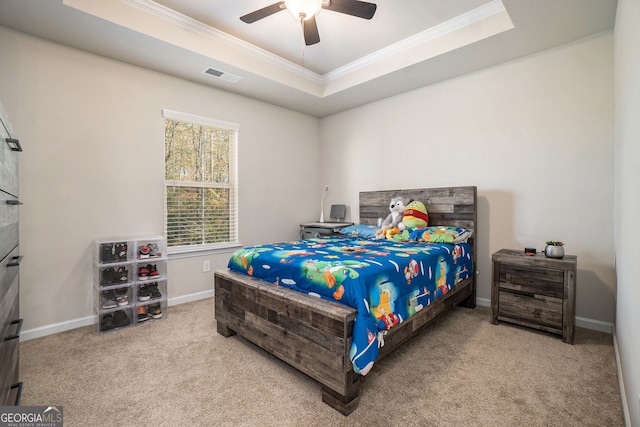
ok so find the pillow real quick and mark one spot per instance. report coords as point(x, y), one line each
point(360, 230)
point(441, 234)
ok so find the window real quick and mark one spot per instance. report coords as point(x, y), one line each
point(200, 183)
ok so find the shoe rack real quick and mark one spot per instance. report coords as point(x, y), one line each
point(130, 282)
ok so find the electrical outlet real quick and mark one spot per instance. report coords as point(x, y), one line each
point(206, 266)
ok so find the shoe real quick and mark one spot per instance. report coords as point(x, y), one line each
point(153, 250)
point(121, 296)
point(153, 271)
point(120, 318)
point(107, 276)
point(143, 253)
point(120, 251)
point(142, 313)
point(122, 274)
point(109, 300)
point(107, 252)
point(144, 293)
point(143, 272)
point(154, 291)
point(107, 322)
point(155, 311)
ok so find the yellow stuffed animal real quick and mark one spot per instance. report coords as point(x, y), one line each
point(415, 216)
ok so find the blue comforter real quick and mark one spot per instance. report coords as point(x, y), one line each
point(385, 281)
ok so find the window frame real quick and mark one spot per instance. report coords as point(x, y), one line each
point(234, 242)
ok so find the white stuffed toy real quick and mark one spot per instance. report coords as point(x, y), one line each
point(396, 208)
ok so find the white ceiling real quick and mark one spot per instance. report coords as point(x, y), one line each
point(406, 45)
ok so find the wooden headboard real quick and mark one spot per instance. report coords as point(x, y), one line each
point(455, 206)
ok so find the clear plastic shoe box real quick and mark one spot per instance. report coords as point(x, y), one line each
point(153, 248)
point(114, 320)
point(152, 310)
point(123, 269)
point(148, 291)
point(150, 271)
point(113, 274)
point(113, 251)
point(114, 297)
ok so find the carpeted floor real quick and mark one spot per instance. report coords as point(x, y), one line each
point(460, 371)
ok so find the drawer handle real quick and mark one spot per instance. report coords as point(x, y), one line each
point(19, 395)
point(13, 202)
point(18, 330)
point(15, 261)
point(13, 144)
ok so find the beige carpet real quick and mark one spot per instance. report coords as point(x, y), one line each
point(460, 371)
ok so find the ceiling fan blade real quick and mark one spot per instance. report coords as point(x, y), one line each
point(310, 29)
point(256, 15)
point(361, 9)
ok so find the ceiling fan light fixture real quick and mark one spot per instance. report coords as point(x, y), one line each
point(303, 9)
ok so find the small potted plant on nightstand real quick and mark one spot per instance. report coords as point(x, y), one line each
point(554, 249)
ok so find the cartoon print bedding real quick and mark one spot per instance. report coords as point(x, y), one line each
point(385, 281)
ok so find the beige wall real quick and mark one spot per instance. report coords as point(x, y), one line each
point(537, 138)
point(92, 167)
point(627, 206)
point(534, 135)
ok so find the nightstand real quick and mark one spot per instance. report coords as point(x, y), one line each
point(534, 291)
point(318, 229)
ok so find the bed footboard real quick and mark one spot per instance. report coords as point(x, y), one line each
point(311, 334)
point(308, 333)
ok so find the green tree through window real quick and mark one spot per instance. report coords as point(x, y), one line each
point(200, 181)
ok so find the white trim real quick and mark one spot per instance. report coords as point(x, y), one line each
point(595, 325)
point(484, 302)
point(201, 120)
point(462, 21)
point(184, 21)
point(190, 298)
point(202, 250)
point(623, 394)
point(92, 320)
point(57, 327)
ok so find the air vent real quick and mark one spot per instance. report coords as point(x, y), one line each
point(232, 78)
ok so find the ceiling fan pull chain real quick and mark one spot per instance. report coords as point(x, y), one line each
point(302, 43)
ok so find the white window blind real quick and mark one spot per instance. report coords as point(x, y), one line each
point(201, 188)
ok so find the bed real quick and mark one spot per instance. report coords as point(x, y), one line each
point(321, 337)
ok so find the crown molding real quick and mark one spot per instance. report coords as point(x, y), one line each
point(466, 19)
point(225, 50)
point(201, 28)
point(454, 24)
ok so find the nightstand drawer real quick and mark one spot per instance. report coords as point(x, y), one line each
point(533, 280)
point(543, 310)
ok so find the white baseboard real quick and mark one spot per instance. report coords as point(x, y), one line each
point(594, 325)
point(583, 322)
point(623, 394)
point(55, 328)
point(483, 302)
point(190, 298)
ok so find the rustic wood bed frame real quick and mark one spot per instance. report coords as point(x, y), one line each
point(314, 335)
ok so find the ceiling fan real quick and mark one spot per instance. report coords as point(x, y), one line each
point(306, 10)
